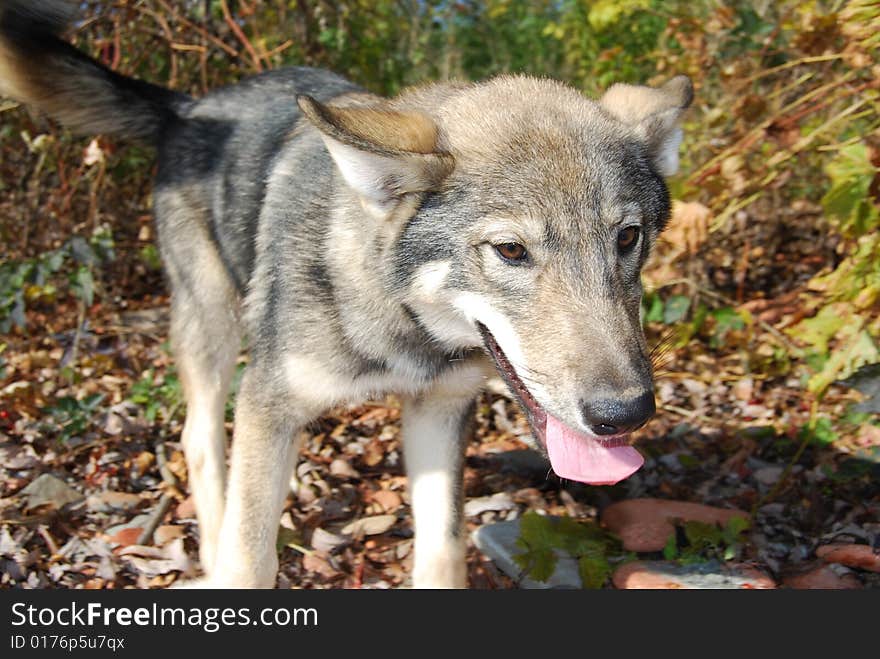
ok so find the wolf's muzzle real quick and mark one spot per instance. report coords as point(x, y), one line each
point(612, 416)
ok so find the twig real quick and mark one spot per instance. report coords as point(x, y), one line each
point(277, 49)
point(80, 320)
point(756, 133)
point(242, 37)
point(229, 50)
point(50, 541)
point(169, 38)
point(688, 414)
point(146, 536)
point(162, 462)
point(777, 486)
point(794, 63)
point(797, 352)
point(721, 219)
point(302, 550)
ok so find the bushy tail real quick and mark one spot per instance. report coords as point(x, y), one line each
point(38, 68)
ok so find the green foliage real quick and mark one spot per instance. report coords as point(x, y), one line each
point(653, 308)
point(689, 321)
point(39, 279)
point(71, 417)
point(149, 256)
point(851, 469)
point(703, 542)
point(158, 395)
point(727, 319)
point(676, 309)
point(543, 538)
point(820, 431)
point(848, 200)
point(604, 14)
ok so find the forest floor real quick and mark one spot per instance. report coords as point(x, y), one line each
point(90, 397)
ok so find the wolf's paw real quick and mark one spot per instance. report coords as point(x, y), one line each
point(201, 583)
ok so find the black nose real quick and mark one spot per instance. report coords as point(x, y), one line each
point(612, 416)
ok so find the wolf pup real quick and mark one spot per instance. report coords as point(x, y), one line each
point(367, 245)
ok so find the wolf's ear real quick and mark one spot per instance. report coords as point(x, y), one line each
point(382, 154)
point(655, 113)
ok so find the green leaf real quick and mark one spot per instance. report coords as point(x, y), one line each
point(735, 527)
point(822, 431)
point(83, 285)
point(594, 571)
point(726, 320)
point(848, 199)
point(102, 244)
point(287, 537)
point(655, 310)
point(81, 251)
point(670, 549)
point(605, 13)
point(819, 329)
point(676, 309)
point(701, 535)
point(150, 257)
point(537, 530)
point(856, 349)
point(542, 537)
point(539, 564)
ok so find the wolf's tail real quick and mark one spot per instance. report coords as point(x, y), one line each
point(37, 67)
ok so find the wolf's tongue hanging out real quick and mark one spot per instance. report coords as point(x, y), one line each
point(579, 457)
point(573, 455)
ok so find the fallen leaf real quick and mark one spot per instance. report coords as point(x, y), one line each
point(51, 491)
point(327, 542)
point(314, 562)
point(370, 525)
point(388, 499)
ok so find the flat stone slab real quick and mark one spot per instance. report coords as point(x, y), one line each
point(666, 575)
point(498, 542)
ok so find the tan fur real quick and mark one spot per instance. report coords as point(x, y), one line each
point(382, 129)
point(633, 103)
point(11, 74)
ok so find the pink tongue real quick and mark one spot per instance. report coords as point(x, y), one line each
point(581, 458)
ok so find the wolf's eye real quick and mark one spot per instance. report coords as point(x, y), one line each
point(627, 238)
point(513, 252)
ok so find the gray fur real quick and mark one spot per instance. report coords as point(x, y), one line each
point(354, 249)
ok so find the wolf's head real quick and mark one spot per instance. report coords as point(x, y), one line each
point(518, 216)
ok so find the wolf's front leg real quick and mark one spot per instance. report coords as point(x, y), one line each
point(263, 448)
point(434, 434)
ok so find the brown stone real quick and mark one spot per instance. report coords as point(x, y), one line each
point(857, 556)
point(666, 575)
point(822, 578)
point(645, 524)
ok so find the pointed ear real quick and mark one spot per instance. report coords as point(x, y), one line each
point(382, 154)
point(655, 114)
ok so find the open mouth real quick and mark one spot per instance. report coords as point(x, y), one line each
point(573, 454)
